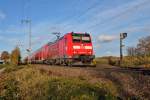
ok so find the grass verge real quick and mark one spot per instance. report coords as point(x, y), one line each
point(29, 83)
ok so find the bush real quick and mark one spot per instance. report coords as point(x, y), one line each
point(74, 89)
point(135, 61)
point(112, 61)
point(11, 91)
point(102, 60)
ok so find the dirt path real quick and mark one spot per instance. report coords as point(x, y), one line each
point(129, 83)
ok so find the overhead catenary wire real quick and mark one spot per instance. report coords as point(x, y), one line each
point(131, 9)
point(77, 16)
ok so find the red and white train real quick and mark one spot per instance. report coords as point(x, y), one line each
point(72, 48)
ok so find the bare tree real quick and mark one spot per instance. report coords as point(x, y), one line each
point(141, 51)
point(131, 51)
point(144, 46)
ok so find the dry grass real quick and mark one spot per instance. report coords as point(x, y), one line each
point(76, 83)
point(79, 73)
point(119, 82)
point(128, 61)
point(35, 83)
point(136, 62)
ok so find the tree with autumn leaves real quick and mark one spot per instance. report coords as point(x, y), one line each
point(5, 56)
point(15, 56)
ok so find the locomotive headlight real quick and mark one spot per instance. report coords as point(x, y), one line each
point(88, 47)
point(76, 47)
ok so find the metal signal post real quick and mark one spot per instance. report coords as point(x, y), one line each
point(122, 36)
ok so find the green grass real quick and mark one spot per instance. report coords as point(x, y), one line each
point(76, 89)
point(30, 84)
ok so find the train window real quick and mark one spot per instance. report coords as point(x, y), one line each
point(86, 39)
point(76, 37)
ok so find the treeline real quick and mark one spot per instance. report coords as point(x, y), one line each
point(11, 58)
point(139, 55)
point(142, 48)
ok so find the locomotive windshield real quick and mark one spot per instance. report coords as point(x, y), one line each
point(76, 37)
point(85, 38)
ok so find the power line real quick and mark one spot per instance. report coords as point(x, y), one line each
point(112, 18)
point(80, 15)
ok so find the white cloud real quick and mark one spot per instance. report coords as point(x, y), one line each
point(107, 38)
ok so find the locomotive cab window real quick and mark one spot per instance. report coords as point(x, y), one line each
point(76, 37)
point(86, 38)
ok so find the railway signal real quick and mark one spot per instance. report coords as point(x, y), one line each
point(122, 37)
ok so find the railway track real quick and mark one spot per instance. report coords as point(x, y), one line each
point(143, 71)
point(133, 70)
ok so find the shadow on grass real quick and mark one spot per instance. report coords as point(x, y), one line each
point(123, 93)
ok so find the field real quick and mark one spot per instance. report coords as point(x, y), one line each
point(135, 62)
point(43, 82)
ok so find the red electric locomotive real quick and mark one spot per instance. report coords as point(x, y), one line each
point(72, 48)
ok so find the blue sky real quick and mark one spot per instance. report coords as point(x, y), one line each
point(104, 19)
